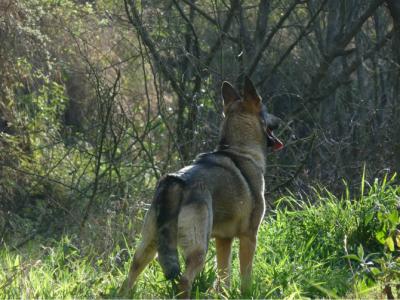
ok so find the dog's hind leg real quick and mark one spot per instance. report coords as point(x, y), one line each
point(144, 254)
point(224, 248)
point(194, 261)
point(194, 228)
point(246, 254)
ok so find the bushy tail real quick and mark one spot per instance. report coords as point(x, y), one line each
point(167, 201)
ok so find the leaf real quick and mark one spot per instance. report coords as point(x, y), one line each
point(363, 182)
point(380, 236)
point(393, 217)
point(389, 242)
point(353, 257)
point(380, 216)
point(375, 271)
point(369, 217)
point(360, 251)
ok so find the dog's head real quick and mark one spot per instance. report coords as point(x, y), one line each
point(248, 116)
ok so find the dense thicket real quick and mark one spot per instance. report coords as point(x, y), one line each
point(98, 99)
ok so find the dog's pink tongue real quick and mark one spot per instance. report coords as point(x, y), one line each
point(278, 145)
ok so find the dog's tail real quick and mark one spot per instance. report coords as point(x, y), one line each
point(167, 201)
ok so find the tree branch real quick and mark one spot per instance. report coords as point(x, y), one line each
point(337, 48)
point(343, 76)
point(207, 17)
point(110, 95)
point(134, 19)
point(262, 21)
point(224, 33)
point(302, 34)
point(269, 38)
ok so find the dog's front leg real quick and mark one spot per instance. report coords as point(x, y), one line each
point(246, 255)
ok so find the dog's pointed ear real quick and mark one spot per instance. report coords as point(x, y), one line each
point(250, 92)
point(251, 97)
point(229, 94)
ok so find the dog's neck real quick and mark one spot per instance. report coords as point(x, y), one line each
point(252, 153)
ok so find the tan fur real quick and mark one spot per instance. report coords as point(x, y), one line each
point(224, 249)
point(220, 195)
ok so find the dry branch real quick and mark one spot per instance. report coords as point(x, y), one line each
point(268, 39)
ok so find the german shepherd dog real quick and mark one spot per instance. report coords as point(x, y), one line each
point(220, 195)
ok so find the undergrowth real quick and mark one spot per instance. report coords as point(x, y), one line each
point(322, 246)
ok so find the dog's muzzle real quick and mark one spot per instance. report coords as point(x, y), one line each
point(273, 141)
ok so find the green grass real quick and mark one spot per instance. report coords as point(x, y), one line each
point(322, 246)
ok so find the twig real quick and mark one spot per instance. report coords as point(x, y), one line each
point(134, 19)
point(337, 48)
point(43, 177)
point(224, 32)
point(105, 125)
point(342, 78)
point(302, 163)
point(302, 34)
point(269, 38)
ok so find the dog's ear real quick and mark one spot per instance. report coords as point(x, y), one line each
point(229, 94)
point(251, 97)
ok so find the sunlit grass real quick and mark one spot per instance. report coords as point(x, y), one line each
point(322, 246)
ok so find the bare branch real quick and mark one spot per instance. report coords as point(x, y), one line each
point(302, 34)
point(262, 21)
point(162, 63)
point(223, 34)
point(337, 48)
point(207, 17)
point(201, 12)
point(342, 78)
point(110, 97)
point(269, 38)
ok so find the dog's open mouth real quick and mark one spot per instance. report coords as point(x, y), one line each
point(273, 141)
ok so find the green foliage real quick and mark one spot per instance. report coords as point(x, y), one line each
point(69, 141)
point(326, 249)
point(59, 271)
point(320, 237)
point(53, 53)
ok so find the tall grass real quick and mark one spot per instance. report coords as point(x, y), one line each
point(322, 246)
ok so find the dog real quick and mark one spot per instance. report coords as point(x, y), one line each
point(220, 195)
